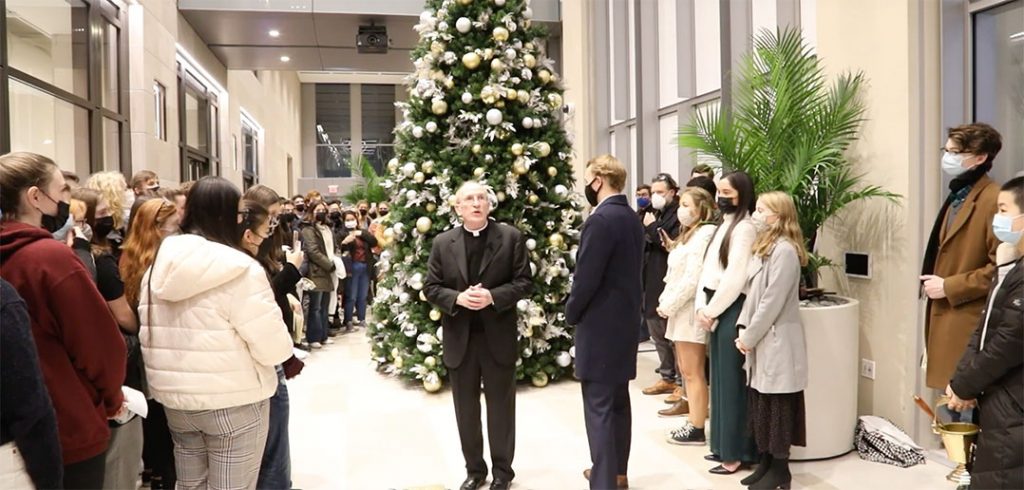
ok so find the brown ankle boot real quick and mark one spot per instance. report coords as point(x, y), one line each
point(682, 407)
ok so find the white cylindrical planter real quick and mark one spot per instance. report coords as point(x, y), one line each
point(833, 349)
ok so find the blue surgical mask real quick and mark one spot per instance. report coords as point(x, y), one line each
point(62, 233)
point(643, 202)
point(953, 164)
point(1002, 226)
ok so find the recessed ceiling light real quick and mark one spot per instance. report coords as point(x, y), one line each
point(274, 33)
point(286, 59)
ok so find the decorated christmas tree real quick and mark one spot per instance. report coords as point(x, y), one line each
point(484, 104)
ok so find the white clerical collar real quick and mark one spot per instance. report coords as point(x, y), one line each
point(476, 233)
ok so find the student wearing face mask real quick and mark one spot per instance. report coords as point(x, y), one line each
point(318, 245)
point(299, 204)
point(990, 374)
point(959, 262)
point(661, 223)
point(771, 336)
point(125, 439)
point(717, 307)
point(358, 249)
point(643, 199)
point(81, 352)
point(120, 198)
point(685, 260)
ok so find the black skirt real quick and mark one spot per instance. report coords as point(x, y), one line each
point(776, 421)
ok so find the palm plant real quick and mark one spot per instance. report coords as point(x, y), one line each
point(369, 189)
point(789, 128)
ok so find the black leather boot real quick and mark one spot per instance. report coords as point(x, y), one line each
point(762, 469)
point(778, 476)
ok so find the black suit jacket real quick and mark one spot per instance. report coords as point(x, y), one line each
point(607, 291)
point(504, 270)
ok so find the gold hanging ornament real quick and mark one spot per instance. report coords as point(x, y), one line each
point(500, 34)
point(552, 171)
point(488, 54)
point(517, 149)
point(544, 76)
point(511, 94)
point(471, 60)
point(437, 48)
point(539, 379)
point(431, 207)
point(488, 94)
point(500, 104)
point(543, 149)
point(478, 172)
point(497, 65)
point(477, 149)
point(556, 240)
point(435, 314)
point(529, 60)
point(423, 296)
point(524, 96)
point(423, 224)
point(431, 382)
point(555, 101)
point(465, 2)
point(501, 196)
point(534, 199)
point(519, 167)
point(428, 166)
point(439, 107)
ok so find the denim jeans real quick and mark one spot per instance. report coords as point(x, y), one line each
point(355, 291)
point(276, 468)
point(316, 322)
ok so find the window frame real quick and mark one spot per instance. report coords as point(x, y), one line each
point(160, 110)
point(250, 130)
point(99, 13)
point(209, 97)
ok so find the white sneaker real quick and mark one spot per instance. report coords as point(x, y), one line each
point(316, 345)
point(300, 354)
point(329, 341)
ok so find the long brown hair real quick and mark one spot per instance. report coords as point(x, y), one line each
point(255, 215)
point(787, 227)
point(705, 213)
point(139, 249)
point(91, 198)
point(272, 247)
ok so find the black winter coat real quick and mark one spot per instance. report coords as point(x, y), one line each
point(994, 375)
point(655, 255)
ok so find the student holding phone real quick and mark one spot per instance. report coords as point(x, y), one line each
point(357, 247)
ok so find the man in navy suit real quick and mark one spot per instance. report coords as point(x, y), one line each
point(605, 306)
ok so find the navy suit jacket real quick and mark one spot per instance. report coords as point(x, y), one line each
point(607, 293)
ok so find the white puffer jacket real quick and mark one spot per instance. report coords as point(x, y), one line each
point(211, 331)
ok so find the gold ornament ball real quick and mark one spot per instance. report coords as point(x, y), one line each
point(431, 207)
point(499, 104)
point(501, 196)
point(439, 107)
point(423, 296)
point(517, 149)
point(395, 353)
point(399, 362)
point(471, 60)
point(478, 172)
point(552, 171)
point(437, 48)
point(534, 199)
point(543, 149)
point(435, 314)
point(524, 96)
point(488, 94)
point(497, 65)
point(432, 383)
point(389, 234)
point(430, 361)
point(428, 166)
point(511, 94)
point(419, 177)
point(529, 60)
point(519, 167)
point(393, 165)
point(544, 76)
point(488, 53)
point(448, 83)
point(465, 2)
point(477, 149)
point(500, 34)
point(555, 100)
point(540, 379)
point(556, 240)
point(423, 224)
point(452, 200)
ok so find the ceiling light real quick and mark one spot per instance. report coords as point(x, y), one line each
point(286, 59)
point(274, 33)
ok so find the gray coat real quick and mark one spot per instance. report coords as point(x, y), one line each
point(770, 323)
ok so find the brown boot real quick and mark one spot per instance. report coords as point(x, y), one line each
point(682, 407)
point(676, 395)
point(662, 387)
point(620, 480)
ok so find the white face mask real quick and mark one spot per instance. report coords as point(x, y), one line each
point(350, 225)
point(953, 164)
point(686, 218)
point(758, 220)
point(658, 201)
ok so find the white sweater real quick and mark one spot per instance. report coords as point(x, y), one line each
point(684, 265)
point(211, 331)
point(728, 284)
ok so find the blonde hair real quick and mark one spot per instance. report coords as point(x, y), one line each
point(705, 204)
point(112, 186)
point(610, 169)
point(787, 227)
point(78, 209)
point(18, 172)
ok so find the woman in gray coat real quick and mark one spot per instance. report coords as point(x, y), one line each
point(772, 338)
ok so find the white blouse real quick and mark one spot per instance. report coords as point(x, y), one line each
point(730, 282)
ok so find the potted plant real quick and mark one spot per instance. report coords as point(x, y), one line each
point(369, 189)
point(789, 127)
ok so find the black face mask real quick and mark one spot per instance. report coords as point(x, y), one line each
point(321, 216)
point(383, 212)
point(54, 223)
point(300, 208)
point(336, 216)
point(373, 215)
point(364, 211)
point(103, 226)
point(287, 218)
point(726, 205)
point(590, 193)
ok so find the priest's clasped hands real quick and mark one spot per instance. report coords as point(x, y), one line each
point(475, 298)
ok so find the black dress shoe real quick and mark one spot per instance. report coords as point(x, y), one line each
point(473, 483)
point(722, 470)
point(499, 484)
point(713, 457)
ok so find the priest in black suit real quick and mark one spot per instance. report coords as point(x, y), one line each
point(478, 272)
point(605, 306)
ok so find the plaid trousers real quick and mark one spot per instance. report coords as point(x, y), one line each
point(219, 449)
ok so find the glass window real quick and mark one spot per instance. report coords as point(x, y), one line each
point(160, 111)
point(250, 154)
point(708, 45)
point(111, 144)
point(191, 119)
point(999, 81)
point(50, 41)
point(109, 67)
point(334, 130)
point(49, 126)
point(378, 111)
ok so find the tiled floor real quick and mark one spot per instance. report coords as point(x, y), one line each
point(353, 428)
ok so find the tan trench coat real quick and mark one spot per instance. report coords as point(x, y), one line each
point(966, 260)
